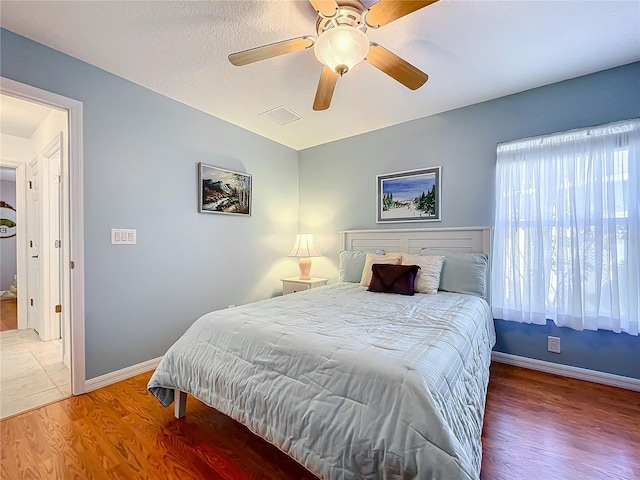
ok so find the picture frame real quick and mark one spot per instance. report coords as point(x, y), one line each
point(223, 191)
point(409, 196)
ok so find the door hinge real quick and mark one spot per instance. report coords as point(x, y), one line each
point(58, 308)
point(57, 244)
point(31, 301)
point(30, 243)
point(72, 265)
point(57, 179)
point(30, 185)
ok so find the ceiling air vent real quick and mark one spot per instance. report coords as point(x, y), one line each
point(281, 115)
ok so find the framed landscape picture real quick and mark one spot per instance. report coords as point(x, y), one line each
point(412, 196)
point(224, 191)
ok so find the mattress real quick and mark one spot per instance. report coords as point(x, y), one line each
point(349, 383)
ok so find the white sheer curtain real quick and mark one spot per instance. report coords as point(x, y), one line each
point(566, 242)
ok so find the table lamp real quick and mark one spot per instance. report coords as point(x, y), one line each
point(304, 249)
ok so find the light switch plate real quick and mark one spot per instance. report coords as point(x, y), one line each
point(123, 236)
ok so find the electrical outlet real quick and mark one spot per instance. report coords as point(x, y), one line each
point(553, 344)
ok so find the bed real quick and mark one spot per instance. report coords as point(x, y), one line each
point(348, 382)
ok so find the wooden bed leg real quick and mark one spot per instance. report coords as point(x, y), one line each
point(180, 403)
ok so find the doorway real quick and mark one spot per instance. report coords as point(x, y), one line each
point(43, 358)
point(33, 371)
point(8, 250)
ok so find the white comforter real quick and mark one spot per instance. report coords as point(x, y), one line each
point(351, 384)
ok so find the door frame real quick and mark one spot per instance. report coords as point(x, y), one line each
point(48, 215)
point(72, 221)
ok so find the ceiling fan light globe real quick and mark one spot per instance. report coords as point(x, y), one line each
point(341, 48)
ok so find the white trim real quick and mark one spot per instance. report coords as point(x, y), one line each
point(50, 230)
point(120, 375)
point(568, 371)
point(73, 205)
point(72, 221)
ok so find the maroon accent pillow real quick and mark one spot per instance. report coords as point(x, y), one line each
point(393, 278)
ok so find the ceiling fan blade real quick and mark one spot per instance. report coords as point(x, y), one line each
point(395, 67)
point(328, 79)
point(386, 11)
point(272, 50)
point(325, 7)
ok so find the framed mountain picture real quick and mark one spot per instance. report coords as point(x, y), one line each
point(411, 196)
point(224, 191)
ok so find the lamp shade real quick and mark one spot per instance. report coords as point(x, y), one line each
point(304, 247)
point(341, 48)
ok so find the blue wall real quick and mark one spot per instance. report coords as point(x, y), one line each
point(603, 351)
point(140, 156)
point(141, 151)
point(338, 186)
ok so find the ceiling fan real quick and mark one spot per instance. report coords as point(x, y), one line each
point(342, 43)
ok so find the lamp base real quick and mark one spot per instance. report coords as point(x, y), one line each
point(305, 268)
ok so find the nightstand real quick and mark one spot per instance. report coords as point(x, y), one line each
point(294, 284)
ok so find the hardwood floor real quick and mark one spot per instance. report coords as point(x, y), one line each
point(8, 314)
point(121, 432)
point(541, 426)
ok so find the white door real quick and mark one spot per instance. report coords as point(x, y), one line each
point(34, 282)
point(44, 243)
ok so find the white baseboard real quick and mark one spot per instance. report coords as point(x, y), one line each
point(119, 375)
point(568, 371)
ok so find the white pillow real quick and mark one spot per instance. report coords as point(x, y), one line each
point(387, 259)
point(428, 277)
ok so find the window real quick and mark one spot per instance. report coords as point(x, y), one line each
point(566, 242)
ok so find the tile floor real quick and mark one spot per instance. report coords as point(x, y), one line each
point(31, 372)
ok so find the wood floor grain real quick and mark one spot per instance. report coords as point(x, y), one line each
point(537, 426)
point(8, 314)
point(541, 426)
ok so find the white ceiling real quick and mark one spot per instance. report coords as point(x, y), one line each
point(473, 51)
point(20, 118)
